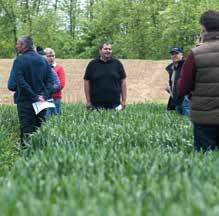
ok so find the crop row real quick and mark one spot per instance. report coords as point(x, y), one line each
point(136, 162)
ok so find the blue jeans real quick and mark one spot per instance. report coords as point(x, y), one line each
point(56, 110)
point(206, 137)
point(58, 105)
point(185, 107)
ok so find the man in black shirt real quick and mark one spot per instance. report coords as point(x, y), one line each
point(105, 81)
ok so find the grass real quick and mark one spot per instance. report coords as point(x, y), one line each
point(9, 136)
point(136, 162)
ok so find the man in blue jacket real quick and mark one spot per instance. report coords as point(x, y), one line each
point(33, 82)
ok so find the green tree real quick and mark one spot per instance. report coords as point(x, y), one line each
point(8, 27)
point(142, 29)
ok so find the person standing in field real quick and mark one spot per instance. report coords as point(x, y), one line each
point(59, 70)
point(200, 76)
point(12, 83)
point(31, 79)
point(56, 84)
point(179, 103)
point(105, 81)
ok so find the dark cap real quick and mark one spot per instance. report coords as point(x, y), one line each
point(40, 50)
point(176, 49)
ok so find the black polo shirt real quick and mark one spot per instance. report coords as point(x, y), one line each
point(105, 80)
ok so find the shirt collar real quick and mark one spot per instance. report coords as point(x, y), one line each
point(110, 60)
point(53, 65)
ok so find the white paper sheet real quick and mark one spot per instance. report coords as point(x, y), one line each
point(39, 106)
point(118, 108)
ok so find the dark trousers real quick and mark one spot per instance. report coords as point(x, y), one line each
point(206, 137)
point(102, 105)
point(29, 121)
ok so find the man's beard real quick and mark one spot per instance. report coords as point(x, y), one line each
point(107, 56)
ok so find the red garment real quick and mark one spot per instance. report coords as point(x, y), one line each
point(185, 83)
point(61, 75)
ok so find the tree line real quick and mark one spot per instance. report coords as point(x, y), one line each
point(138, 29)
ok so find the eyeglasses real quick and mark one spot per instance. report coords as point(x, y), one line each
point(174, 53)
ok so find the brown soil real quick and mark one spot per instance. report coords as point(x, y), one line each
point(146, 80)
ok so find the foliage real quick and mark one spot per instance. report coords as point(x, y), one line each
point(139, 161)
point(8, 137)
point(74, 28)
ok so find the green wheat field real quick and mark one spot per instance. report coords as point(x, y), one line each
point(139, 161)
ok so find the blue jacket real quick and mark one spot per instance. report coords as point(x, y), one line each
point(56, 83)
point(12, 83)
point(31, 75)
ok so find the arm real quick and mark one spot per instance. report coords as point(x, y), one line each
point(169, 71)
point(21, 83)
point(122, 75)
point(123, 92)
point(87, 92)
point(49, 82)
point(87, 85)
point(185, 84)
point(11, 81)
point(61, 75)
point(56, 82)
point(168, 86)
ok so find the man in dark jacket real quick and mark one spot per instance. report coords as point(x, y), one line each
point(200, 75)
point(33, 82)
point(179, 103)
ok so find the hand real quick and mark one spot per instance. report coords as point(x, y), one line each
point(167, 89)
point(197, 44)
point(123, 104)
point(198, 41)
point(88, 104)
point(41, 98)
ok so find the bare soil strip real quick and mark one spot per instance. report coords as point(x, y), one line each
point(146, 80)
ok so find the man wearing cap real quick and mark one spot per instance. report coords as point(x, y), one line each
point(179, 103)
point(200, 76)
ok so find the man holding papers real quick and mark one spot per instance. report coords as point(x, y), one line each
point(33, 78)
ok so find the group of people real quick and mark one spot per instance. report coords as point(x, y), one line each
point(193, 83)
point(35, 77)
